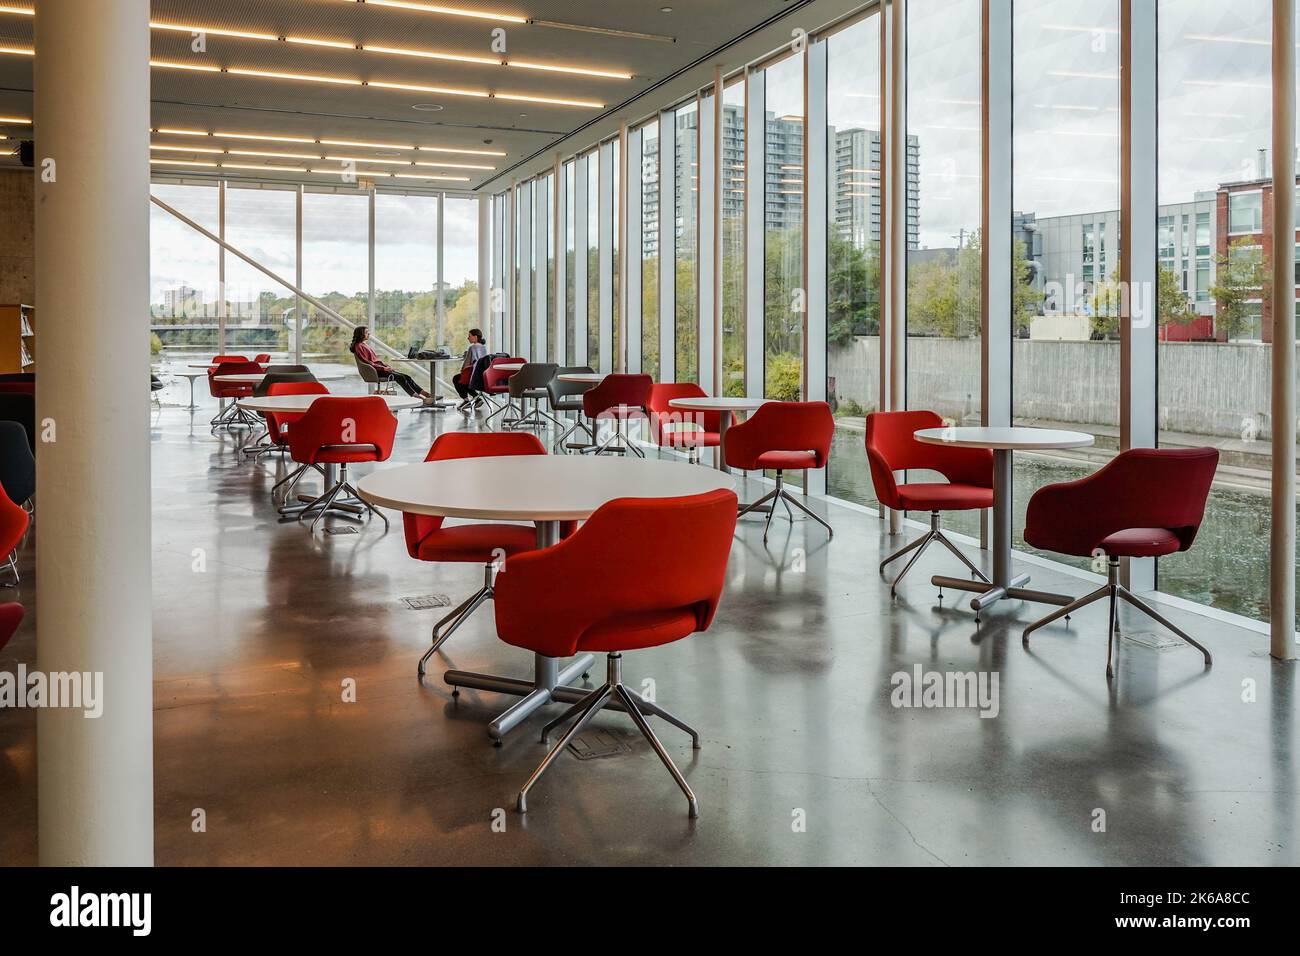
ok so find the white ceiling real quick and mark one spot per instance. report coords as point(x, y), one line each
point(225, 102)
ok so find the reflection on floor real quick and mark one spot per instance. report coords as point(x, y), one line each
point(805, 760)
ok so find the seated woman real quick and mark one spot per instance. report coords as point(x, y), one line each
point(462, 380)
point(361, 350)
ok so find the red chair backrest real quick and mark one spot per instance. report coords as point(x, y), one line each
point(648, 554)
point(782, 426)
point(262, 357)
point(274, 421)
point(218, 359)
point(661, 413)
point(612, 391)
point(11, 615)
point(892, 446)
point(495, 378)
point(349, 420)
point(1139, 488)
point(13, 525)
point(465, 445)
point(241, 367)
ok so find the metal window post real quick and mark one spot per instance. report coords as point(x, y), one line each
point(667, 246)
point(221, 268)
point(580, 243)
point(524, 261)
point(370, 237)
point(299, 305)
point(605, 256)
point(559, 302)
point(706, 236)
point(1282, 644)
point(1137, 244)
point(755, 212)
point(440, 324)
point(541, 290)
point(484, 270)
point(633, 250)
point(816, 224)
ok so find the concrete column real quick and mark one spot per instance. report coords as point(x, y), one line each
point(95, 779)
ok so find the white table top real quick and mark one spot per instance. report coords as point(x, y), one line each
point(508, 366)
point(532, 487)
point(1003, 438)
point(190, 373)
point(589, 377)
point(721, 403)
point(300, 403)
point(254, 378)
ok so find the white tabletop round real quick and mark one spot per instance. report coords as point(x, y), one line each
point(718, 403)
point(191, 373)
point(589, 377)
point(1015, 438)
point(210, 365)
point(300, 403)
point(254, 378)
point(508, 366)
point(532, 487)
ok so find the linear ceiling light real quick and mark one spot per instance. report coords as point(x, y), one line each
point(265, 169)
point(447, 11)
point(181, 162)
point(17, 50)
point(385, 85)
point(22, 11)
point(15, 120)
point(185, 149)
point(214, 31)
point(452, 165)
point(171, 131)
point(255, 152)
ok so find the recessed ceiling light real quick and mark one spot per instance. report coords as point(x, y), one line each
point(428, 107)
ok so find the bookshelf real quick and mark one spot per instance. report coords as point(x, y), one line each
point(17, 338)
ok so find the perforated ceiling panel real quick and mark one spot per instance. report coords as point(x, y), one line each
point(464, 106)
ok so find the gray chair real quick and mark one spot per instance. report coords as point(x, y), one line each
point(17, 464)
point(382, 382)
point(531, 382)
point(567, 397)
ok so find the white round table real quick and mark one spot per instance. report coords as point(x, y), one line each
point(590, 378)
point(210, 365)
point(440, 404)
point(1003, 441)
point(545, 489)
point(726, 407)
point(192, 375)
point(508, 366)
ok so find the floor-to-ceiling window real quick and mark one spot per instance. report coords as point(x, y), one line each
point(853, 232)
point(1214, 127)
point(650, 249)
point(686, 191)
point(570, 272)
point(406, 270)
point(184, 276)
point(733, 237)
point(262, 223)
point(336, 270)
point(1065, 239)
point(784, 297)
point(592, 160)
point(460, 270)
point(943, 214)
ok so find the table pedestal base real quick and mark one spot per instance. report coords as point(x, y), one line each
point(546, 687)
point(986, 595)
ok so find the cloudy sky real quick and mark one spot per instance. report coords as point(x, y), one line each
point(1213, 118)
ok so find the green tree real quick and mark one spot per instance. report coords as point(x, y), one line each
point(1240, 276)
point(943, 295)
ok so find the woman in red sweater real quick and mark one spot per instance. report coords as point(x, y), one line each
point(363, 351)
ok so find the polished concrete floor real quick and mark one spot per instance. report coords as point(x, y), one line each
point(804, 758)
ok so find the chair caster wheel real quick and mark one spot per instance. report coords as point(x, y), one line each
point(940, 595)
point(1067, 618)
point(496, 743)
point(977, 620)
point(455, 692)
point(586, 674)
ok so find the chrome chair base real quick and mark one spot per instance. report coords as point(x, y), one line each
point(234, 416)
point(340, 499)
point(612, 691)
point(537, 418)
point(12, 565)
point(618, 443)
point(1114, 591)
point(920, 544)
point(579, 422)
point(458, 617)
point(780, 494)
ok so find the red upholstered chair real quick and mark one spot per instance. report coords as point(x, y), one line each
point(218, 359)
point(429, 539)
point(783, 436)
point(342, 430)
point(497, 382)
point(660, 562)
point(232, 414)
point(1145, 502)
point(675, 428)
point(616, 398)
point(11, 615)
point(892, 447)
point(277, 426)
point(262, 358)
point(13, 525)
